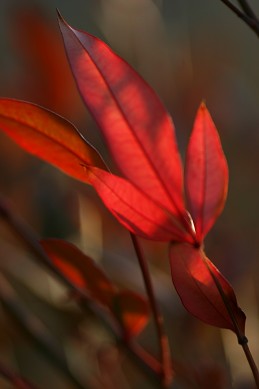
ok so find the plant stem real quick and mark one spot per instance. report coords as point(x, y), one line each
point(167, 372)
point(252, 364)
point(242, 339)
point(252, 22)
point(247, 9)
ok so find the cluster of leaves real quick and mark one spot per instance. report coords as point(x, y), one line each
point(153, 198)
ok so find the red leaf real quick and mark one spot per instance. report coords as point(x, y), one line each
point(132, 311)
point(135, 210)
point(49, 137)
point(136, 126)
point(80, 269)
point(192, 278)
point(206, 174)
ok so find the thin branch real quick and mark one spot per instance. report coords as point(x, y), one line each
point(251, 22)
point(247, 9)
point(16, 380)
point(35, 328)
point(167, 372)
point(242, 339)
point(251, 362)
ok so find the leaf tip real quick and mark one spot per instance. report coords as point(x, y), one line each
point(203, 105)
point(61, 20)
point(59, 14)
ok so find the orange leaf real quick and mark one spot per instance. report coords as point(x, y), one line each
point(132, 311)
point(48, 136)
point(80, 269)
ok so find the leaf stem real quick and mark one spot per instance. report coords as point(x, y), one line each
point(252, 364)
point(242, 339)
point(167, 372)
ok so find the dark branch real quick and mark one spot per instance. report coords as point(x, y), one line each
point(247, 9)
point(253, 23)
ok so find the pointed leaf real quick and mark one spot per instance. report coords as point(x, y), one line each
point(192, 277)
point(136, 126)
point(80, 269)
point(206, 173)
point(49, 137)
point(132, 311)
point(136, 210)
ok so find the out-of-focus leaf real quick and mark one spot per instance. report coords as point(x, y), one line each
point(129, 308)
point(46, 78)
point(132, 311)
point(136, 126)
point(206, 173)
point(49, 137)
point(80, 269)
point(192, 275)
point(135, 209)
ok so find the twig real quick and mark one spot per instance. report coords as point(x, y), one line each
point(251, 22)
point(247, 9)
point(251, 362)
point(242, 339)
point(167, 373)
point(16, 380)
point(148, 363)
point(35, 328)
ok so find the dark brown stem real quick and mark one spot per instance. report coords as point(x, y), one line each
point(253, 23)
point(247, 9)
point(167, 372)
point(252, 364)
point(242, 339)
point(16, 380)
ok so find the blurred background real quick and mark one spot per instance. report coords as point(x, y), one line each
point(188, 51)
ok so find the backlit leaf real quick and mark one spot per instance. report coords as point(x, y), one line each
point(192, 278)
point(136, 210)
point(136, 126)
point(80, 269)
point(206, 173)
point(132, 311)
point(49, 137)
